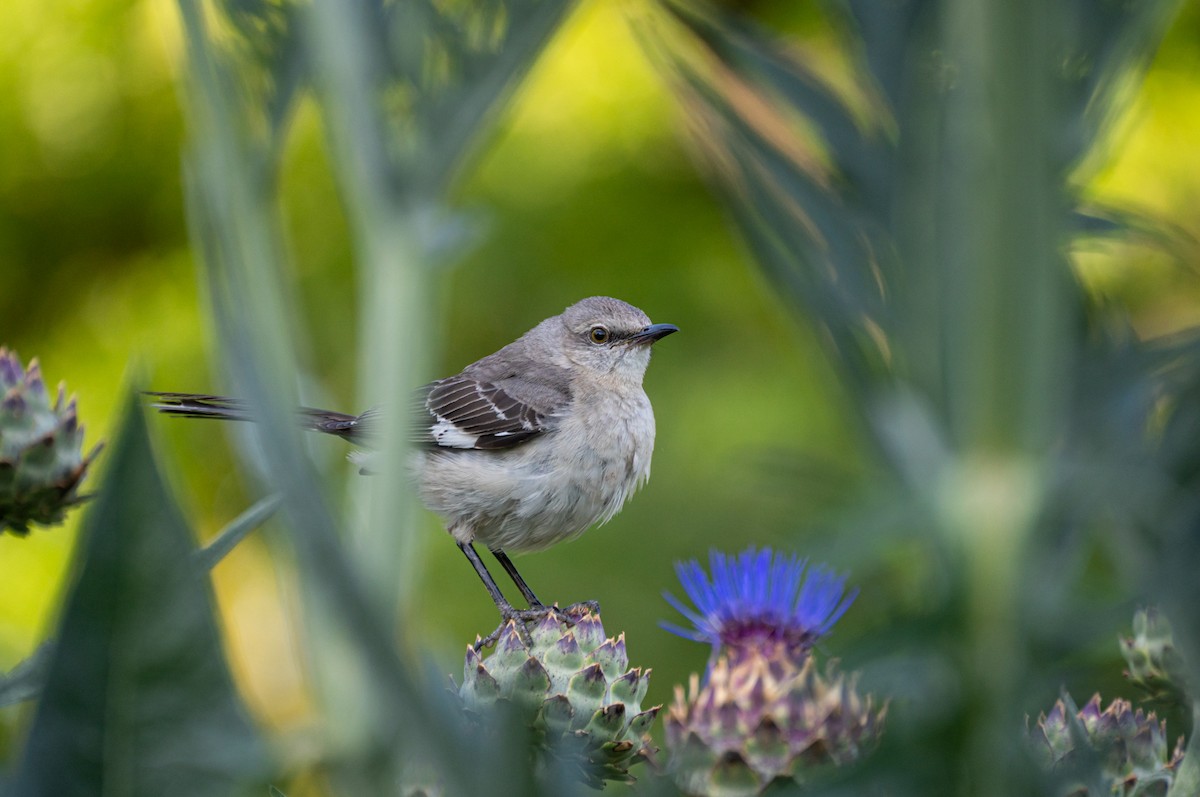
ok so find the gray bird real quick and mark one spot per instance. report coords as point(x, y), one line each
point(524, 448)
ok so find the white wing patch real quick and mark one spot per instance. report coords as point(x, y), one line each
point(447, 435)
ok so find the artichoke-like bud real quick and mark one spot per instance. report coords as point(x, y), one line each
point(576, 690)
point(764, 711)
point(41, 449)
point(1134, 756)
point(1155, 666)
point(760, 719)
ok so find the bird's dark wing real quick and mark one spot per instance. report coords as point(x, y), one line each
point(463, 412)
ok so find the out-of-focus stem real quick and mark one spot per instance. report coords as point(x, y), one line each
point(988, 507)
point(393, 350)
point(394, 340)
point(1007, 318)
point(1005, 329)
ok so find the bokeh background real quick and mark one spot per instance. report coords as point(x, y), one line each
point(587, 187)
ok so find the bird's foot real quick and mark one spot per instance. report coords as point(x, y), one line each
point(575, 611)
point(521, 619)
point(489, 640)
point(569, 614)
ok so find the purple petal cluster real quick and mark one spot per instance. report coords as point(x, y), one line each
point(759, 600)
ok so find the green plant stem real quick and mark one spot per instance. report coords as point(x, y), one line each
point(393, 352)
point(990, 510)
point(394, 340)
point(1005, 331)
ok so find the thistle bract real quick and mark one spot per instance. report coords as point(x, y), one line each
point(1134, 756)
point(574, 687)
point(41, 449)
point(762, 719)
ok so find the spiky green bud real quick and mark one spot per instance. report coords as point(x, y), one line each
point(1154, 665)
point(41, 449)
point(574, 687)
point(1132, 748)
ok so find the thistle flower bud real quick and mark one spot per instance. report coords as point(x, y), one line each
point(1155, 666)
point(760, 720)
point(574, 687)
point(763, 711)
point(41, 458)
point(1132, 746)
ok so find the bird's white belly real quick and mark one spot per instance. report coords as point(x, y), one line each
point(547, 490)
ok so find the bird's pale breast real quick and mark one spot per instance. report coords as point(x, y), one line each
point(551, 488)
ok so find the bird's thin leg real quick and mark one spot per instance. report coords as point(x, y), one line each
point(570, 613)
point(506, 608)
point(507, 612)
point(511, 569)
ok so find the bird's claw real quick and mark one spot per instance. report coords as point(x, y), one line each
point(518, 619)
point(522, 618)
point(489, 640)
point(570, 614)
point(578, 610)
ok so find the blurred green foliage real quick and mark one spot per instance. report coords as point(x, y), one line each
point(587, 188)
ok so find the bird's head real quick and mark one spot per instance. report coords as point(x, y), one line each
point(610, 337)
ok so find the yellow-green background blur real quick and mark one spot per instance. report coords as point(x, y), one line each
point(587, 188)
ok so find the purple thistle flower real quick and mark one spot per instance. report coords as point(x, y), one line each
point(759, 600)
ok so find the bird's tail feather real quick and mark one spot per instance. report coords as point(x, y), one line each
point(200, 405)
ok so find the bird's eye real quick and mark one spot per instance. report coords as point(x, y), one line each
point(598, 334)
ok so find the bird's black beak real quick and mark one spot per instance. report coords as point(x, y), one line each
point(653, 332)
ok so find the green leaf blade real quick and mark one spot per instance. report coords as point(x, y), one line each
point(138, 698)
